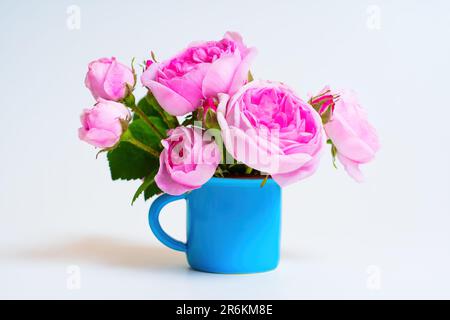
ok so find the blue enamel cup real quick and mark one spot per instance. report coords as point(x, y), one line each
point(233, 225)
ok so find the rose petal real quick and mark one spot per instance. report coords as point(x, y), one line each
point(95, 76)
point(98, 137)
point(351, 167)
point(220, 74)
point(169, 100)
point(301, 173)
point(164, 180)
point(150, 73)
point(116, 79)
point(347, 142)
point(241, 75)
point(196, 178)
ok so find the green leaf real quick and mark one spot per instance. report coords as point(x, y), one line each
point(148, 186)
point(128, 162)
point(151, 190)
point(146, 107)
point(151, 107)
point(143, 133)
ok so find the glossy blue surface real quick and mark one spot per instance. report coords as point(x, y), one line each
point(233, 225)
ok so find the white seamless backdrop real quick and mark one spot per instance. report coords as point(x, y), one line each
point(67, 231)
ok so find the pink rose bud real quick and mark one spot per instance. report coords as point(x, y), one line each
point(101, 125)
point(323, 100)
point(187, 161)
point(355, 139)
point(269, 128)
point(107, 79)
point(200, 71)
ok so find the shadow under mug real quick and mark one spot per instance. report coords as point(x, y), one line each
point(233, 225)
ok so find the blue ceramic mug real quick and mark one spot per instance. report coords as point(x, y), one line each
point(233, 225)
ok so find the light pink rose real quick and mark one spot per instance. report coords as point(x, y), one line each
point(107, 78)
point(355, 139)
point(101, 125)
point(187, 161)
point(200, 71)
point(267, 127)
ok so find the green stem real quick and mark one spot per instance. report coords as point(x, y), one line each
point(142, 146)
point(143, 116)
point(248, 170)
point(130, 102)
point(264, 181)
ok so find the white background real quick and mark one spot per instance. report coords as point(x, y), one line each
point(61, 217)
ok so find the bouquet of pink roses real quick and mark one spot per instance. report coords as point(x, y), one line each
point(232, 125)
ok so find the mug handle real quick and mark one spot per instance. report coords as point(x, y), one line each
point(155, 226)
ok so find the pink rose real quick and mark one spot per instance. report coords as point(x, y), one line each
point(200, 71)
point(353, 136)
point(107, 79)
point(187, 161)
point(267, 127)
point(101, 125)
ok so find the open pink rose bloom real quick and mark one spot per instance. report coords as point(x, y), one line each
point(200, 71)
point(266, 126)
